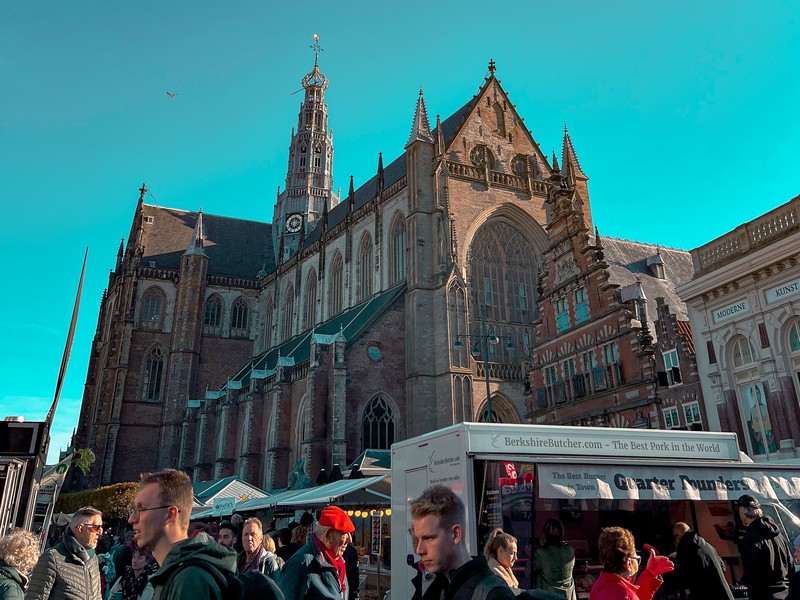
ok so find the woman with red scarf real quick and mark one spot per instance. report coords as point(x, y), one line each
point(621, 563)
point(317, 571)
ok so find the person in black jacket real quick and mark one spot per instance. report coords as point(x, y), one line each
point(766, 558)
point(794, 580)
point(698, 567)
point(350, 557)
point(439, 529)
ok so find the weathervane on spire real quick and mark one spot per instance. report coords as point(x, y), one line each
point(316, 47)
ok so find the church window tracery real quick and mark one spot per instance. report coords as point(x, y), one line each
point(309, 314)
point(268, 325)
point(152, 309)
point(501, 120)
point(288, 313)
point(212, 317)
point(377, 425)
point(364, 290)
point(239, 318)
point(335, 292)
point(397, 251)
point(153, 375)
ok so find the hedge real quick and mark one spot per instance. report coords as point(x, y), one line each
point(114, 500)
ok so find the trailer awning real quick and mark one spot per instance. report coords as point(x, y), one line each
point(345, 492)
point(660, 482)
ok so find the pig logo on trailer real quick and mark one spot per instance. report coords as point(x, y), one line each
point(430, 462)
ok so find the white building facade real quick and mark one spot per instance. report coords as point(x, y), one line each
point(744, 309)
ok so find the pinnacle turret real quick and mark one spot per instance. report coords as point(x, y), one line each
point(421, 128)
point(570, 166)
point(198, 238)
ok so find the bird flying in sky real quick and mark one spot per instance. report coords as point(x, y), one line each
point(171, 95)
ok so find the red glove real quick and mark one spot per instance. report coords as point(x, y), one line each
point(658, 565)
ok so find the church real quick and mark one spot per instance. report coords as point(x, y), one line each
point(420, 299)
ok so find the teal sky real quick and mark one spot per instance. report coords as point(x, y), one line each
point(684, 116)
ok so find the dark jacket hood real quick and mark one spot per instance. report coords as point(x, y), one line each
point(13, 574)
point(764, 527)
point(200, 547)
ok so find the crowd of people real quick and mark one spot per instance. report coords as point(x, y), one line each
point(165, 557)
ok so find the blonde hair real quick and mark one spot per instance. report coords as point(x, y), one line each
point(439, 501)
point(269, 544)
point(19, 549)
point(497, 539)
point(254, 521)
point(299, 535)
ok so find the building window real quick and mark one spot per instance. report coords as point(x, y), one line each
point(673, 367)
point(550, 380)
point(501, 121)
point(239, 318)
point(742, 352)
point(397, 258)
point(377, 425)
point(691, 411)
point(309, 315)
point(487, 291)
point(758, 424)
point(562, 314)
point(794, 338)
point(365, 269)
point(153, 374)
point(153, 309)
point(523, 298)
point(212, 319)
point(581, 305)
point(588, 363)
point(335, 293)
point(288, 314)
point(610, 353)
point(457, 311)
point(671, 417)
point(568, 367)
point(268, 325)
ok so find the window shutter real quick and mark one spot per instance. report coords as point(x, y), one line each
point(712, 356)
point(541, 397)
point(676, 375)
point(579, 384)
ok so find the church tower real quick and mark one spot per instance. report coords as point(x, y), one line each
point(309, 177)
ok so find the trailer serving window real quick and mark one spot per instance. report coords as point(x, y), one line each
point(519, 496)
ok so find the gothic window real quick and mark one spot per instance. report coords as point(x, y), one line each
point(317, 158)
point(457, 313)
point(518, 165)
point(502, 271)
point(153, 309)
point(288, 313)
point(501, 121)
point(239, 318)
point(212, 318)
point(336, 286)
point(481, 156)
point(153, 374)
point(268, 325)
point(309, 314)
point(364, 290)
point(377, 425)
point(302, 158)
point(397, 251)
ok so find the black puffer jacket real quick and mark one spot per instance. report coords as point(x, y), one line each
point(464, 581)
point(67, 571)
point(699, 569)
point(766, 559)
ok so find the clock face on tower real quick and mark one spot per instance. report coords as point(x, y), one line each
point(294, 223)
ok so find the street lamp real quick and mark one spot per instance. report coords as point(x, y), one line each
point(481, 343)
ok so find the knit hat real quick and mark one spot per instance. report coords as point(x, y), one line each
point(748, 501)
point(335, 518)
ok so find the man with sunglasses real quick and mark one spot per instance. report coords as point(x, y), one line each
point(160, 520)
point(69, 570)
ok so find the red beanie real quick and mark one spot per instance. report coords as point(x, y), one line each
point(335, 518)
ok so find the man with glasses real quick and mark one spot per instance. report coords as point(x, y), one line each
point(190, 567)
point(69, 570)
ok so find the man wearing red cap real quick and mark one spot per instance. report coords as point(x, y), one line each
point(317, 570)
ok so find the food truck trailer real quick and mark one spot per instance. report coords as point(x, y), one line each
point(517, 476)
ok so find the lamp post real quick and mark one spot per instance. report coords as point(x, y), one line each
point(485, 339)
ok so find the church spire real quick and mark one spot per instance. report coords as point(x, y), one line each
point(379, 184)
point(570, 167)
point(421, 128)
point(351, 200)
point(196, 245)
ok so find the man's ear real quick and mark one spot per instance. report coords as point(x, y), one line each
point(458, 534)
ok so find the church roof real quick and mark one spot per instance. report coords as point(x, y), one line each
point(352, 324)
point(235, 247)
point(627, 264)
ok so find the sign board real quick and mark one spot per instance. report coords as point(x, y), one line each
point(783, 291)
point(655, 482)
point(602, 441)
point(731, 310)
point(223, 506)
point(21, 439)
